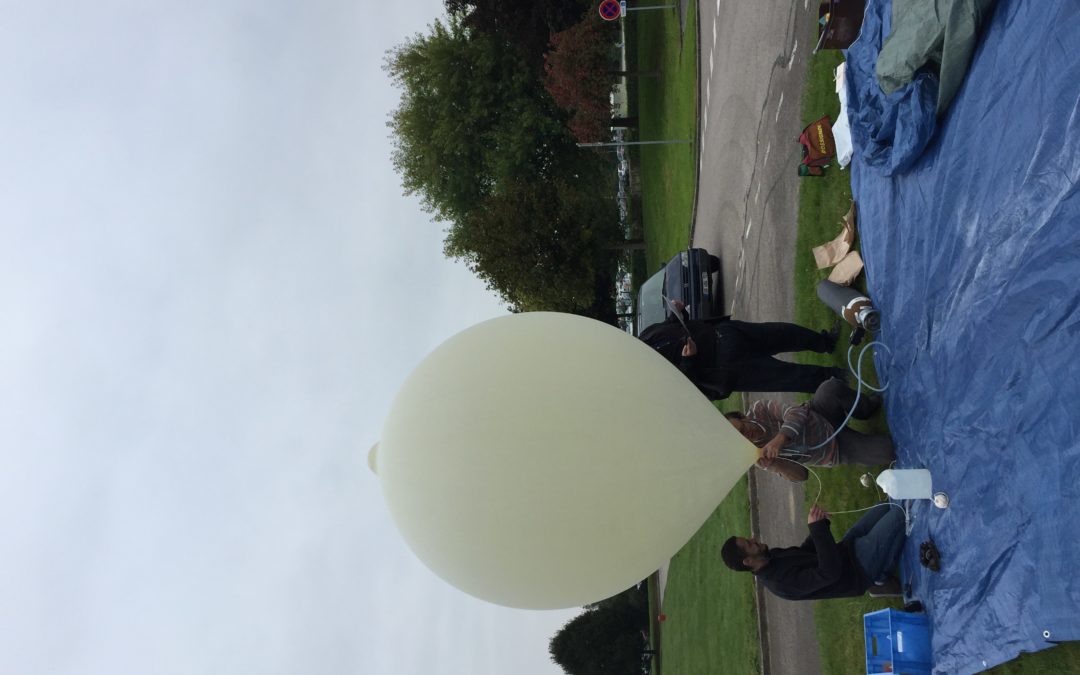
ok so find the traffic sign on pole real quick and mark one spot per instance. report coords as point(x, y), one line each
point(610, 10)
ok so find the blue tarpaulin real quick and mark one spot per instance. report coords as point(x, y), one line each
point(972, 251)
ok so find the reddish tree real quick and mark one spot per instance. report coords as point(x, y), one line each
point(579, 76)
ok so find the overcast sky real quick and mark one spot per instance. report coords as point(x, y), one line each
point(211, 287)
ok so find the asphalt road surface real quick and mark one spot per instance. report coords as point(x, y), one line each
point(753, 62)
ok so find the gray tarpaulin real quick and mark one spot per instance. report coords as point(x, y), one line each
point(935, 34)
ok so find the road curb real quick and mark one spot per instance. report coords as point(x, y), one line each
point(697, 119)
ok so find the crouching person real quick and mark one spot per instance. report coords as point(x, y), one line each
point(821, 568)
point(788, 434)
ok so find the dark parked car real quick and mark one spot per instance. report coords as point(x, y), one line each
point(686, 277)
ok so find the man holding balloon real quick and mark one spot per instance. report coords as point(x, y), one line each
point(814, 433)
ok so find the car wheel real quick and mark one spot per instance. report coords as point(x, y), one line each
point(714, 264)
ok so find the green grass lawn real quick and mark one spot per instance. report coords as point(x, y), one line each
point(711, 624)
point(667, 107)
point(822, 202)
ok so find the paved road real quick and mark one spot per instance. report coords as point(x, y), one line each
point(753, 61)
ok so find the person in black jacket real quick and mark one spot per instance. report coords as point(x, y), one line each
point(822, 568)
point(721, 355)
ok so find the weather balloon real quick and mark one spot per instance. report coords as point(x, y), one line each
point(546, 460)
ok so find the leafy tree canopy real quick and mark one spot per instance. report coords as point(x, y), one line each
point(484, 146)
point(470, 116)
point(525, 24)
point(579, 74)
point(540, 244)
point(600, 641)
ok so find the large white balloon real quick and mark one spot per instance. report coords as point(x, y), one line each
point(546, 460)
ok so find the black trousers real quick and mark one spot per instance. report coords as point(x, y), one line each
point(745, 353)
point(832, 400)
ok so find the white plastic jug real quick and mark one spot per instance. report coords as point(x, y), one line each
point(906, 483)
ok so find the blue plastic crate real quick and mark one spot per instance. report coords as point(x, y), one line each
point(897, 643)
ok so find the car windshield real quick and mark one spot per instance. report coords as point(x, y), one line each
point(676, 276)
point(650, 302)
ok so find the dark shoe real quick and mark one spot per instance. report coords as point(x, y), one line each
point(832, 337)
point(873, 404)
point(929, 556)
point(889, 588)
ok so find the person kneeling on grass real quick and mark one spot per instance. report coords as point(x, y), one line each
point(788, 434)
point(822, 568)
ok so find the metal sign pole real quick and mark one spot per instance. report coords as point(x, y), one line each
point(624, 143)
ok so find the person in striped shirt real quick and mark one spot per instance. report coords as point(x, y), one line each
point(793, 435)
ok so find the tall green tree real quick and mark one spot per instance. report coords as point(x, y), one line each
point(525, 24)
point(579, 73)
point(471, 115)
point(598, 641)
point(634, 601)
point(540, 244)
point(480, 141)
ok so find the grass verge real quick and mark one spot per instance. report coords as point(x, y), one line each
point(667, 104)
point(711, 624)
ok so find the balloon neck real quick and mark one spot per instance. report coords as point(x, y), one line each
point(373, 459)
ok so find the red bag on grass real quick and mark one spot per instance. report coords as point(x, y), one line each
point(818, 147)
